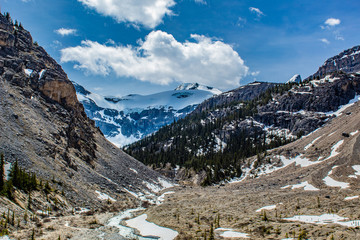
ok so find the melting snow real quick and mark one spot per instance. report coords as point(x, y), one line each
point(312, 143)
point(306, 185)
point(333, 183)
point(165, 184)
point(123, 230)
point(5, 238)
point(28, 72)
point(298, 160)
point(357, 171)
point(331, 134)
point(267, 169)
point(271, 207)
point(230, 233)
point(151, 229)
point(324, 219)
point(344, 107)
point(354, 133)
point(161, 198)
point(334, 148)
point(351, 198)
point(104, 196)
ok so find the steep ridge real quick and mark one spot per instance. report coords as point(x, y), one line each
point(45, 127)
point(222, 131)
point(124, 120)
point(347, 61)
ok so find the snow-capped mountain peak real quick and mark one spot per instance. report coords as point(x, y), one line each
point(295, 79)
point(124, 120)
point(197, 86)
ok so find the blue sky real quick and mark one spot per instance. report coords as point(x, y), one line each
point(118, 47)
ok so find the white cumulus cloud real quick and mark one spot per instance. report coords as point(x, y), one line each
point(148, 13)
point(324, 40)
point(161, 59)
point(332, 22)
point(257, 11)
point(65, 31)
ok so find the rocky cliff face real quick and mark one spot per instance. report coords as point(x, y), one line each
point(347, 61)
point(243, 93)
point(45, 127)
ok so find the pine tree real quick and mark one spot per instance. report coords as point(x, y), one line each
point(211, 234)
point(29, 201)
point(33, 234)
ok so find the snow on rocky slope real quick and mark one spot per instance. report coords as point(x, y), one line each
point(124, 120)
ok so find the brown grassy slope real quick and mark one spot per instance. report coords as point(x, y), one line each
point(237, 203)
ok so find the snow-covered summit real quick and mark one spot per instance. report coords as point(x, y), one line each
point(197, 86)
point(295, 79)
point(124, 120)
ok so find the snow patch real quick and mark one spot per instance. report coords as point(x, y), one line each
point(298, 160)
point(270, 207)
point(147, 228)
point(124, 231)
point(104, 196)
point(334, 149)
point(306, 185)
point(230, 233)
point(312, 143)
point(28, 72)
point(342, 108)
point(161, 198)
point(354, 133)
point(6, 237)
point(357, 169)
point(325, 219)
point(351, 198)
point(333, 183)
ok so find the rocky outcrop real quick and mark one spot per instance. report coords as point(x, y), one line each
point(45, 127)
point(347, 61)
point(243, 93)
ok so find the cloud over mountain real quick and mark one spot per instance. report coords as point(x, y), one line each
point(161, 59)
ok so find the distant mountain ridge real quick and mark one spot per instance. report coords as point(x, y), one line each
point(124, 120)
point(212, 143)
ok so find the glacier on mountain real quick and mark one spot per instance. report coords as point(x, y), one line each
point(127, 119)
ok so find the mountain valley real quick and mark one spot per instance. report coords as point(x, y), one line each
point(262, 161)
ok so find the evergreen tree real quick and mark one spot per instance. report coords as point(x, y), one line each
point(211, 234)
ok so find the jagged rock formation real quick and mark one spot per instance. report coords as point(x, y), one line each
point(243, 93)
point(45, 127)
point(347, 61)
